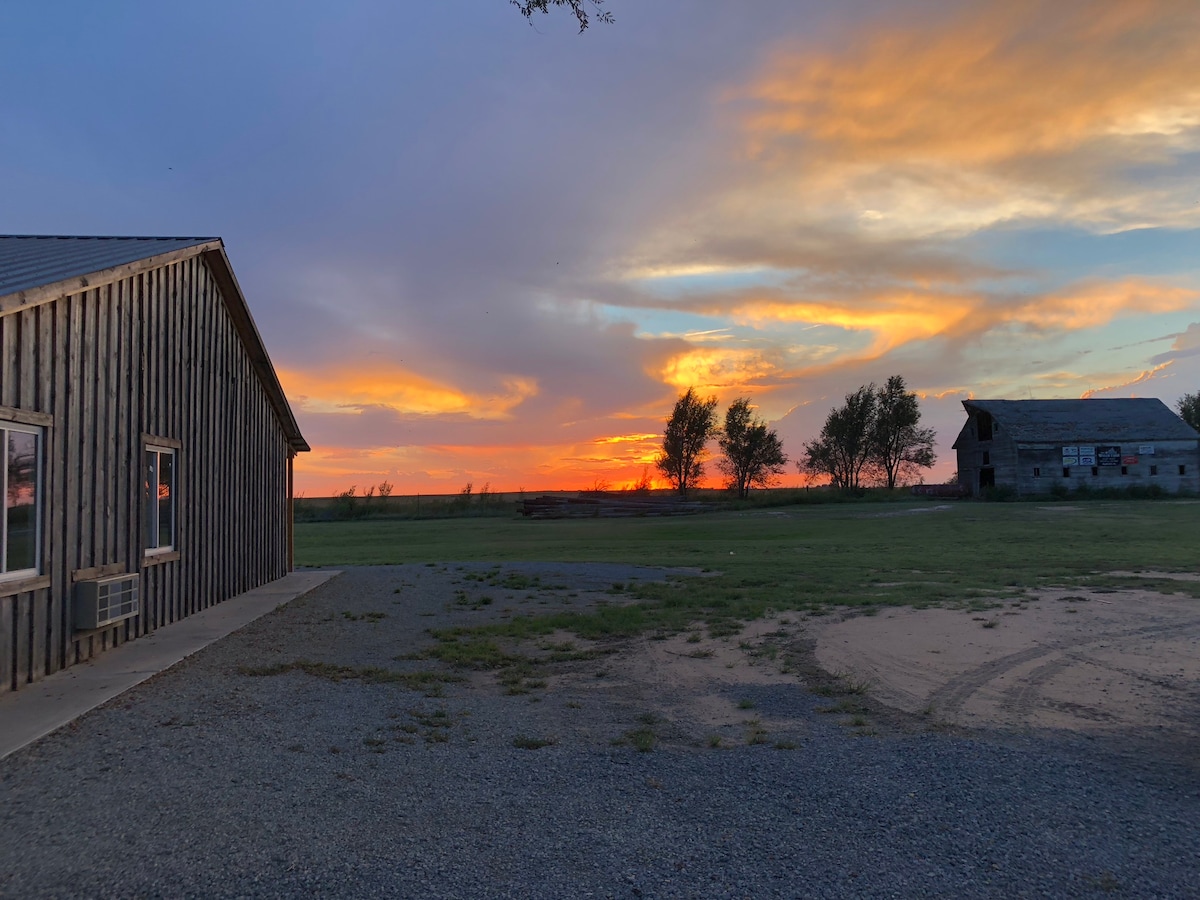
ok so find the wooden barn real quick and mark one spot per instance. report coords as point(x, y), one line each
point(1030, 446)
point(148, 445)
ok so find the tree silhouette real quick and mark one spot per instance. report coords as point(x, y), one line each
point(876, 436)
point(692, 423)
point(753, 453)
point(844, 447)
point(578, 8)
point(1189, 409)
point(901, 446)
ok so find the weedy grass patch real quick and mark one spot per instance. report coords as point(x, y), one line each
point(424, 680)
point(806, 558)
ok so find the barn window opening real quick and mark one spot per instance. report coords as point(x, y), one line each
point(21, 483)
point(987, 458)
point(987, 478)
point(1095, 471)
point(1037, 473)
point(1154, 470)
point(159, 499)
point(1183, 470)
point(985, 426)
point(1124, 470)
point(1066, 471)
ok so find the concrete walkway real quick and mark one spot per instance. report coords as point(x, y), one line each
point(38, 709)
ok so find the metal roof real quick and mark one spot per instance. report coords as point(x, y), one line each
point(1123, 419)
point(29, 261)
point(37, 269)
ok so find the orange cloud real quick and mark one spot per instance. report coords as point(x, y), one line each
point(1142, 378)
point(1010, 109)
point(349, 387)
point(710, 368)
point(1095, 304)
point(893, 319)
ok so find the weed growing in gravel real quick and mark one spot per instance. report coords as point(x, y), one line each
point(851, 683)
point(642, 740)
point(360, 617)
point(416, 681)
point(745, 703)
point(755, 732)
point(714, 741)
point(847, 705)
point(521, 742)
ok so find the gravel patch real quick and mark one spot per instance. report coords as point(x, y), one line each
point(317, 781)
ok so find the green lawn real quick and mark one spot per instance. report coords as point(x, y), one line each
point(810, 557)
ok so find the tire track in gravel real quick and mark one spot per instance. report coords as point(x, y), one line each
point(950, 697)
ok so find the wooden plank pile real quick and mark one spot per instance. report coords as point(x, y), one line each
point(607, 506)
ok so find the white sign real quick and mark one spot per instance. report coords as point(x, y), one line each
point(1085, 460)
point(1070, 461)
point(1070, 451)
point(1145, 449)
point(1087, 451)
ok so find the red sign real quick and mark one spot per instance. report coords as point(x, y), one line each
point(1129, 460)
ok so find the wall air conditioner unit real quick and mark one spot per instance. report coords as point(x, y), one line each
point(103, 601)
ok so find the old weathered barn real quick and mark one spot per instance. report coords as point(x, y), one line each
point(1030, 446)
point(147, 445)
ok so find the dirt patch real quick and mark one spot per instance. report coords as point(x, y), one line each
point(1084, 661)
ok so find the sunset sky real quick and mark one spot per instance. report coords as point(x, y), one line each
point(480, 251)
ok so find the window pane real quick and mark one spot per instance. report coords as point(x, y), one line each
point(150, 500)
point(166, 499)
point(21, 462)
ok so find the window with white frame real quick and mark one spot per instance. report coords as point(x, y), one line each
point(158, 507)
point(21, 484)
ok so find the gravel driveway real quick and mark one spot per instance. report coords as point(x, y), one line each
point(239, 774)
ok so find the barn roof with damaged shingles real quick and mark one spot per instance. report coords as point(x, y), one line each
point(1072, 421)
point(29, 261)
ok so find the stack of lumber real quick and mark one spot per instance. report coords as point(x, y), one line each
point(598, 505)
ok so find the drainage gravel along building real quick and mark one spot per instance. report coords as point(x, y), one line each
point(147, 445)
point(1037, 446)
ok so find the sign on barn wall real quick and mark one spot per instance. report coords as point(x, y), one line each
point(1108, 456)
point(1145, 449)
point(1087, 456)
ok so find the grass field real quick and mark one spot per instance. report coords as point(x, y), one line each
point(806, 558)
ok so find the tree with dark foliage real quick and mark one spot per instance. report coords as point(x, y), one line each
point(753, 453)
point(692, 423)
point(875, 437)
point(578, 9)
point(901, 445)
point(844, 447)
point(1189, 409)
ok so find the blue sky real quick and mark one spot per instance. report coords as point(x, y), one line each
point(484, 251)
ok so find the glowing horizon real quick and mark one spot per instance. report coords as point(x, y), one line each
point(484, 253)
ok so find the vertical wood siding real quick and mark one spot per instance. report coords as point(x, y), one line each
point(154, 354)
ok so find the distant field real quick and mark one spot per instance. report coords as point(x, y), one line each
point(812, 557)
